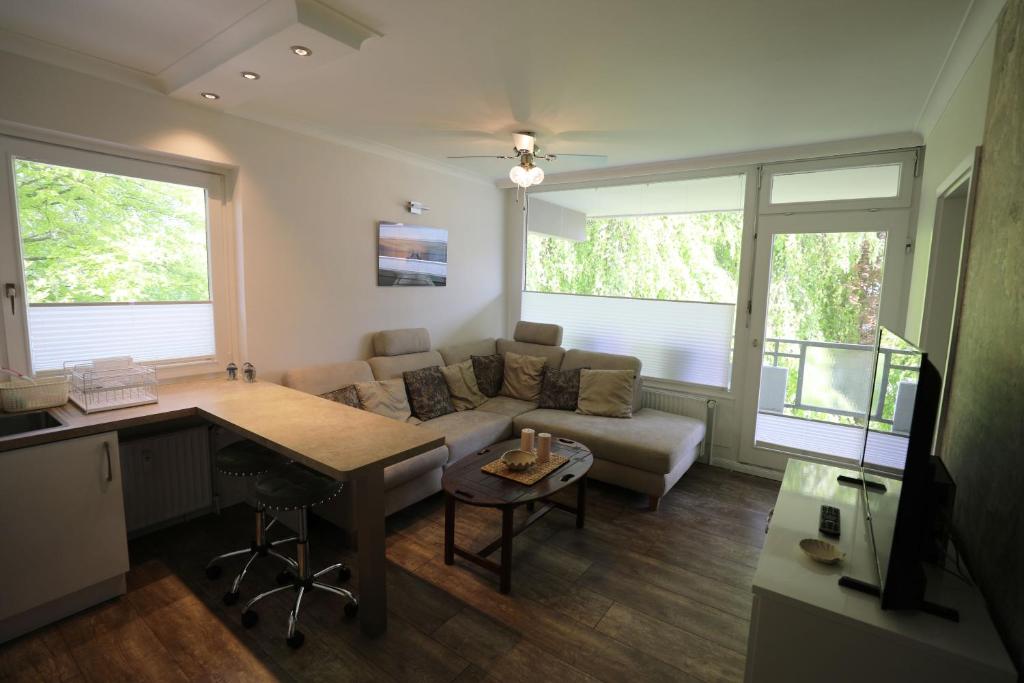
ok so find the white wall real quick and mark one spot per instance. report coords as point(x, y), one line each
point(307, 211)
point(949, 143)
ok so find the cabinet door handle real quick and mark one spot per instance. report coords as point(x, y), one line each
point(110, 467)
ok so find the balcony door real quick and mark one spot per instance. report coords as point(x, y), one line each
point(823, 281)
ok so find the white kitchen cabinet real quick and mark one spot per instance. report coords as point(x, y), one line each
point(62, 532)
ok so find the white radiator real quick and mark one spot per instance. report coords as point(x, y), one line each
point(165, 477)
point(698, 407)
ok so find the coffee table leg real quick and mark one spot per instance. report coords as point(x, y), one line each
point(581, 502)
point(506, 549)
point(449, 528)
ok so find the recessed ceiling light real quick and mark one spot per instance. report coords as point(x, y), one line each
point(210, 95)
point(301, 51)
point(250, 75)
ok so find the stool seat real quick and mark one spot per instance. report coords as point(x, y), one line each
point(292, 487)
point(246, 459)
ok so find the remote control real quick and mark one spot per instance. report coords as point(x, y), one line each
point(828, 523)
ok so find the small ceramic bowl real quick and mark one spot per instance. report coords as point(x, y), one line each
point(518, 460)
point(821, 551)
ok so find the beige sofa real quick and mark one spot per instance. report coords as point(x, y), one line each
point(647, 453)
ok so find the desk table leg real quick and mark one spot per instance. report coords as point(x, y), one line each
point(507, 537)
point(369, 517)
point(449, 528)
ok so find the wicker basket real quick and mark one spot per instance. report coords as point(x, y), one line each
point(33, 394)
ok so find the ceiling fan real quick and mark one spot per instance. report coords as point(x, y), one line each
point(525, 148)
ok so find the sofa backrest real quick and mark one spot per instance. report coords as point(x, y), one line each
point(456, 353)
point(552, 354)
point(399, 351)
point(538, 333)
point(575, 358)
point(320, 379)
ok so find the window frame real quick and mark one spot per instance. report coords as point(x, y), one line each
point(220, 242)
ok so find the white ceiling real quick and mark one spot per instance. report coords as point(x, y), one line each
point(639, 81)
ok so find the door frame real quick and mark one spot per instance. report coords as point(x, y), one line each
point(894, 222)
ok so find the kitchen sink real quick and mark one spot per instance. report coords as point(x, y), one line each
point(16, 423)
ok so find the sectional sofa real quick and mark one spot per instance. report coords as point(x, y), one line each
point(647, 453)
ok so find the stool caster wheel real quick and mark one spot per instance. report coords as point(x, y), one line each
point(285, 577)
point(230, 598)
point(213, 572)
point(249, 619)
point(344, 574)
point(296, 640)
point(351, 609)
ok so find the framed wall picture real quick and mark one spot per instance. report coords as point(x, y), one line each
point(411, 256)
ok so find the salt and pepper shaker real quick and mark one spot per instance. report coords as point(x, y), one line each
point(543, 447)
point(232, 372)
point(526, 440)
point(249, 372)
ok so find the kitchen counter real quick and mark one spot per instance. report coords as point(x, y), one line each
point(342, 442)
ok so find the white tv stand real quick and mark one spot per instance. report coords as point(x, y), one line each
point(805, 627)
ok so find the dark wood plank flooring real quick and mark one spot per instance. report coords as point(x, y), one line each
point(636, 596)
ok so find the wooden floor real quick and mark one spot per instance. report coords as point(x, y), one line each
point(636, 596)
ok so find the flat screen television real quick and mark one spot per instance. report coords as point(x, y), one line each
point(900, 437)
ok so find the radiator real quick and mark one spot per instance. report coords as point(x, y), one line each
point(698, 407)
point(165, 477)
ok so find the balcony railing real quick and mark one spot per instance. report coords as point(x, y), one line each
point(777, 349)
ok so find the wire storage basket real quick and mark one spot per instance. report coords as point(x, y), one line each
point(109, 383)
point(33, 394)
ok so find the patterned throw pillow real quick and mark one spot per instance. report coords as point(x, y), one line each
point(347, 395)
point(606, 392)
point(466, 395)
point(522, 376)
point(489, 371)
point(428, 393)
point(560, 389)
point(385, 398)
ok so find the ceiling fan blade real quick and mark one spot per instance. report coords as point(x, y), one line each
point(554, 157)
point(482, 156)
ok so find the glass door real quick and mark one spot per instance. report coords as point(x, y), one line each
point(817, 298)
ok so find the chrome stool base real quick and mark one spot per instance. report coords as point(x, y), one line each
point(258, 548)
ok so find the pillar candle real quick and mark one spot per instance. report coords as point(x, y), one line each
point(526, 439)
point(543, 447)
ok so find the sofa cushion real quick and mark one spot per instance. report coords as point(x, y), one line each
point(560, 389)
point(505, 405)
point(321, 379)
point(390, 367)
point(462, 385)
point(553, 354)
point(385, 398)
point(574, 358)
point(458, 353)
point(401, 472)
point(522, 376)
point(401, 342)
point(428, 393)
point(469, 431)
point(538, 333)
point(606, 392)
point(652, 441)
point(489, 372)
point(346, 395)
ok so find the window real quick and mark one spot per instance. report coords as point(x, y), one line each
point(115, 259)
point(650, 270)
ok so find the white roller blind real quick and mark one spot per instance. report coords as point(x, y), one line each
point(676, 340)
point(146, 332)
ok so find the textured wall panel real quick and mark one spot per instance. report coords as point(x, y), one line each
point(985, 424)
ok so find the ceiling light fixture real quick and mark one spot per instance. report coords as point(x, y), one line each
point(210, 95)
point(301, 50)
point(250, 76)
point(525, 174)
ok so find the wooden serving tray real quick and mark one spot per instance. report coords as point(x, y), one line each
point(529, 476)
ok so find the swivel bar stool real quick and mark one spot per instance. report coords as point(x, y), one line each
point(248, 459)
point(293, 487)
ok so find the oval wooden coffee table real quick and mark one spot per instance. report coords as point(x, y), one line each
point(464, 482)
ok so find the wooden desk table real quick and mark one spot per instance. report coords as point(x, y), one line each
point(344, 443)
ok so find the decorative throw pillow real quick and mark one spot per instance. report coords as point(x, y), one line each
point(488, 371)
point(462, 385)
point(522, 376)
point(346, 395)
point(385, 398)
point(428, 393)
point(560, 389)
point(606, 392)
